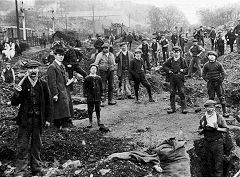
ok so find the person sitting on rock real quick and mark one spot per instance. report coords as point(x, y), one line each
point(212, 126)
point(8, 74)
point(214, 74)
point(176, 67)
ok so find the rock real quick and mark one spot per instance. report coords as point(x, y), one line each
point(72, 164)
point(104, 171)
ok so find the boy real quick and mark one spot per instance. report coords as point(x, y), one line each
point(35, 112)
point(176, 67)
point(214, 74)
point(8, 74)
point(212, 125)
point(93, 91)
point(195, 51)
point(137, 74)
point(155, 48)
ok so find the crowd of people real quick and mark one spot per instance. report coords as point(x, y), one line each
point(42, 103)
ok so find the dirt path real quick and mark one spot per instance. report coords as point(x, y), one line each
point(147, 123)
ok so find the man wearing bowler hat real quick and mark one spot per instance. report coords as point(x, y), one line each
point(123, 58)
point(176, 67)
point(105, 61)
point(35, 112)
point(212, 126)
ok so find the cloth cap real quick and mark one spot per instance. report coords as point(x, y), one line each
point(195, 40)
point(210, 103)
point(32, 64)
point(177, 48)
point(59, 51)
point(123, 43)
point(137, 50)
point(93, 65)
point(105, 45)
point(212, 53)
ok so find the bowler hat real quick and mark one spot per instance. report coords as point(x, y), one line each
point(93, 65)
point(59, 51)
point(105, 45)
point(32, 64)
point(137, 51)
point(177, 48)
point(210, 103)
point(212, 53)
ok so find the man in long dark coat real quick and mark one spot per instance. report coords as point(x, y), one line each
point(57, 81)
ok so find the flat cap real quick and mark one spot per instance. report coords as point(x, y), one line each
point(93, 65)
point(32, 64)
point(212, 53)
point(105, 45)
point(59, 51)
point(210, 103)
point(195, 40)
point(176, 48)
point(137, 50)
point(123, 43)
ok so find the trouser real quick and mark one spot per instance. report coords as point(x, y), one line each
point(231, 46)
point(29, 135)
point(154, 57)
point(213, 43)
point(145, 58)
point(238, 44)
point(214, 157)
point(195, 59)
point(183, 49)
point(217, 87)
point(124, 85)
point(76, 68)
point(91, 105)
point(177, 85)
point(145, 83)
point(174, 43)
point(107, 81)
point(220, 50)
point(165, 54)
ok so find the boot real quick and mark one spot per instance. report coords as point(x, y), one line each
point(184, 107)
point(110, 95)
point(225, 114)
point(173, 107)
point(170, 111)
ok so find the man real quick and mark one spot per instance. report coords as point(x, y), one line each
point(220, 44)
point(35, 112)
point(106, 64)
point(155, 49)
point(98, 43)
point(201, 36)
point(237, 33)
point(145, 49)
point(123, 59)
point(195, 52)
point(130, 40)
point(71, 62)
point(182, 42)
point(212, 126)
point(18, 48)
point(137, 75)
point(57, 81)
point(164, 43)
point(212, 36)
point(176, 67)
point(214, 74)
point(230, 38)
point(174, 38)
point(8, 74)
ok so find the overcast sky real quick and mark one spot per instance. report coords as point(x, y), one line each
point(190, 7)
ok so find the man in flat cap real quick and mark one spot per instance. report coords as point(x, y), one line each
point(137, 73)
point(8, 74)
point(35, 112)
point(237, 33)
point(195, 52)
point(155, 48)
point(145, 56)
point(123, 58)
point(214, 74)
point(230, 38)
point(212, 36)
point(212, 126)
point(176, 67)
point(98, 43)
point(105, 61)
point(57, 81)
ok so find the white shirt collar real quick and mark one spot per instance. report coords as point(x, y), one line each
point(124, 53)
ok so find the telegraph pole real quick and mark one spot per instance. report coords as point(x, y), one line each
point(129, 21)
point(93, 21)
point(17, 18)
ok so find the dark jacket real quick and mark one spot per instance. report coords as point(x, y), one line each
point(57, 83)
point(18, 49)
point(212, 34)
point(46, 106)
point(174, 38)
point(118, 60)
point(98, 44)
point(168, 66)
point(237, 30)
point(213, 71)
point(230, 37)
point(71, 57)
point(92, 87)
point(136, 69)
